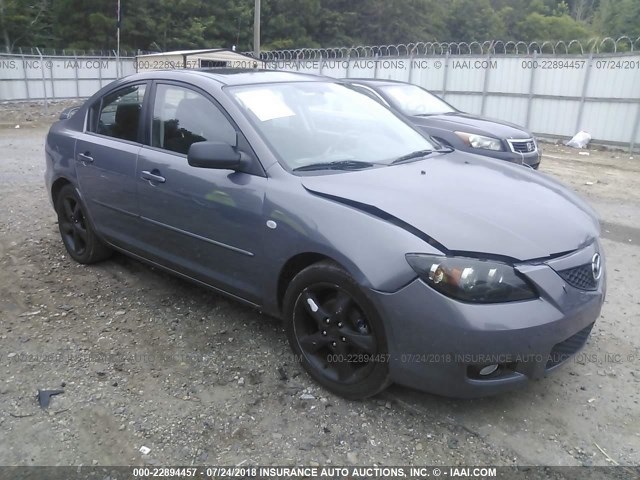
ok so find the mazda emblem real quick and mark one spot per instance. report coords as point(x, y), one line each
point(596, 266)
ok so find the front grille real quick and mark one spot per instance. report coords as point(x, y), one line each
point(580, 277)
point(563, 350)
point(523, 146)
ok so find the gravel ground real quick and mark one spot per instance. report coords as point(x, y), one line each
point(146, 359)
point(32, 114)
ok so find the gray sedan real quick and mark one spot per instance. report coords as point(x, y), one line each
point(388, 259)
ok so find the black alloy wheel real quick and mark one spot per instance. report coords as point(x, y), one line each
point(76, 230)
point(336, 332)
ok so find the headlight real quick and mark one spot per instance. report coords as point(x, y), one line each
point(479, 141)
point(471, 280)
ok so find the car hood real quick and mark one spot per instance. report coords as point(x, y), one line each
point(472, 124)
point(469, 204)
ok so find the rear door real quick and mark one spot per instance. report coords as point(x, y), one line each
point(106, 156)
point(203, 222)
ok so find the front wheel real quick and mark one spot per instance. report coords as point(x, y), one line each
point(335, 331)
point(76, 230)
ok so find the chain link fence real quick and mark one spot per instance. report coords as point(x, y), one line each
point(554, 88)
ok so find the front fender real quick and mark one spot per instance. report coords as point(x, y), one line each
point(371, 249)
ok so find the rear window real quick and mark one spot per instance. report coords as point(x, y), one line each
point(412, 100)
point(118, 114)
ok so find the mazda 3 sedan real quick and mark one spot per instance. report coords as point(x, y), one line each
point(449, 126)
point(388, 259)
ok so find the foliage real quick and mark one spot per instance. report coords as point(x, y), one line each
point(618, 17)
point(175, 24)
point(539, 27)
point(23, 21)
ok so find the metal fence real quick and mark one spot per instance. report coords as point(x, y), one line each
point(73, 52)
point(553, 88)
point(488, 47)
point(551, 96)
point(49, 77)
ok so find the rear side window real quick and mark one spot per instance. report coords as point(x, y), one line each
point(182, 117)
point(119, 113)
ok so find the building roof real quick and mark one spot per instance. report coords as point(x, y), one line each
point(199, 52)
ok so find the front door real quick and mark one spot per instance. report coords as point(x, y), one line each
point(206, 223)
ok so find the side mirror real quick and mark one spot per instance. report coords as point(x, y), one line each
point(68, 113)
point(218, 155)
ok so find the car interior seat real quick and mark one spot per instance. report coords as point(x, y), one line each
point(127, 121)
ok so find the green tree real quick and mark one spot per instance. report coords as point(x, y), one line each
point(583, 10)
point(181, 24)
point(234, 24)
point(337, 20)
point(102, 29)
point(22, 22)
point(539, 27)
point(380, 22)
point(177, 24)
point(290, 23)
point(470, 20)
point(615, 18)
point(73, 22)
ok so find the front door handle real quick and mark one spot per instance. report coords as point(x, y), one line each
point(152, 177)
point(85, 157)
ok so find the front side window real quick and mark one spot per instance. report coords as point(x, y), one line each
point(182, 117)
point(119, 114)
point(314, 123)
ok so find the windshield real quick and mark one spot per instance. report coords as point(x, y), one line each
point(318, 123)
point(412, 100)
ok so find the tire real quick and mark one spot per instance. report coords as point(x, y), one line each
point(78, 235)
point(335, 332)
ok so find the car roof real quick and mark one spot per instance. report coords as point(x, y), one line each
point(233, 76)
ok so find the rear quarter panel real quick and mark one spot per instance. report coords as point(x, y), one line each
point(60, 147)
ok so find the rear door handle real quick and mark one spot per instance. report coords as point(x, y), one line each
point(85, 157)
point(152, 177)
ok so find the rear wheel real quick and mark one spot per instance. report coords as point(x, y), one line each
point(77, 233)
point(337, 334)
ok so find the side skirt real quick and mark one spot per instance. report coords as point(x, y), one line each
point(184, 276)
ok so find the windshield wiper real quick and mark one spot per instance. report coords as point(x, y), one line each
point(420, 154)
point(412, 156)
point(336, 165)
point(433, 113)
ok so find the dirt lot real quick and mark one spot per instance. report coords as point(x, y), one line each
point(32, 114)
point(145, 359)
